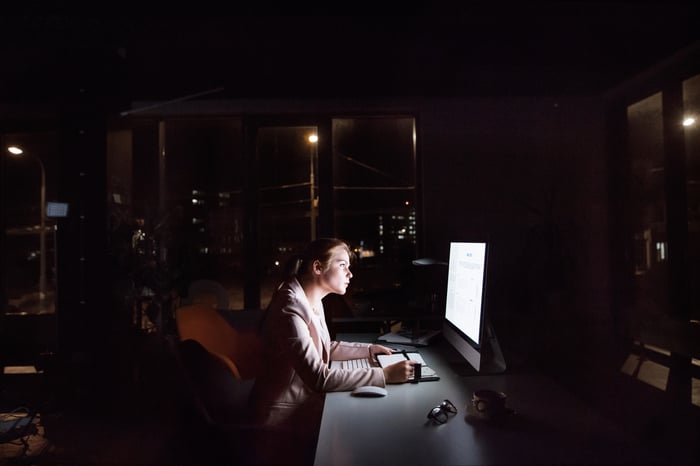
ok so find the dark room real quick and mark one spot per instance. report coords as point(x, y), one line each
point(458, 233)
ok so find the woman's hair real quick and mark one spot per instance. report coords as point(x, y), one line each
point(300, 264)
point(317, 250)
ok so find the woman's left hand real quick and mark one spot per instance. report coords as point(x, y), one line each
point(378, 349)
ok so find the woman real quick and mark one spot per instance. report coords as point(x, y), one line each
point(289, 395)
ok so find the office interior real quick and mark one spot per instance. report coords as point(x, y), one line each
point(176, 150)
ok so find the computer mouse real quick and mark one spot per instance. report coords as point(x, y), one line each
point(369, 390)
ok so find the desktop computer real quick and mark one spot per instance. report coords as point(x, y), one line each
point(466, 324)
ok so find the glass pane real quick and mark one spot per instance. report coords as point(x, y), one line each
point(691, 107)
point(647, 200)
point(374, 189)
point(31, 180)
point(204, 207)
point(287, 178)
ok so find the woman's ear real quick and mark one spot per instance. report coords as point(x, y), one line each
point(317, 267)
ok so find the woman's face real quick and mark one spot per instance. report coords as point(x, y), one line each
point(336, 277)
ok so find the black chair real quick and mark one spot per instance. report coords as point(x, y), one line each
point(218, 427)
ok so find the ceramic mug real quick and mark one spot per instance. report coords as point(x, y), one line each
point(489, 402)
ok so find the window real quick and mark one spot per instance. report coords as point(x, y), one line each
point(691, 127)
point(375, 205)
point(187, 203)
point(647, 198)
point(30, 182)
point(214, 208)
point(288, 198)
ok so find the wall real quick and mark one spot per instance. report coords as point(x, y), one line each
point(528, 174)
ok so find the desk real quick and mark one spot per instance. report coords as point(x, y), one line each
point(551, 425)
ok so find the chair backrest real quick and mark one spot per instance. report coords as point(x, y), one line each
point(219, 395)
point(240, 350)
point(218, 423)
point(209, 292)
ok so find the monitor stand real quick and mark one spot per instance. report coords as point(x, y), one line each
point(485, 360)
point(492, 360)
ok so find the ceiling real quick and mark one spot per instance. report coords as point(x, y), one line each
point(536, 48)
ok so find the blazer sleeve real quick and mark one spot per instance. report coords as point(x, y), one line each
point(296, 334)
point(341, 350)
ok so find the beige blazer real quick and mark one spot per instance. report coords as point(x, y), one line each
point(297, 351)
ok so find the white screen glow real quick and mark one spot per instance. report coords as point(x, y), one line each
point(465, 287)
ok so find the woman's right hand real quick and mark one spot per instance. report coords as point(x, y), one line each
point(399, 372)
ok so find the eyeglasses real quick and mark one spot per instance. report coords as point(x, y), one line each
point(441, 413)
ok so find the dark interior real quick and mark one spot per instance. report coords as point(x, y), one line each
point(550, 128)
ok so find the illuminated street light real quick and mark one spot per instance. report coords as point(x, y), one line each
point(313, 139)
point(16, 151)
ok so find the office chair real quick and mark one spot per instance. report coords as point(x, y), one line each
point(219, 364)
point(219, 394)
point(239, 350)
point(218, 426)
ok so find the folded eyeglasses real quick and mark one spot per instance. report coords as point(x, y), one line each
point(441, 413)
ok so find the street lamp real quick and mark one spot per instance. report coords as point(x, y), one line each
point(313, 139)
point(16, 151)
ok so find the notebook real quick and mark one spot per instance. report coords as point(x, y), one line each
point(427, 373)
point(383, 360)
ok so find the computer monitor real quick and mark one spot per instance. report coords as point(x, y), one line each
point(466, 325)
point(56, 209)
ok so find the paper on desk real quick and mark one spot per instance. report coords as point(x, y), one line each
point(389, 359)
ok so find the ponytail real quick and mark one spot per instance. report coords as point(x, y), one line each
point(293, 266)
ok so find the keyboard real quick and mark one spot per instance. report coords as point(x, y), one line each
point(354, 363)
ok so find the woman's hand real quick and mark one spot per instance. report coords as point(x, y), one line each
point(399, 372)
point(378, 349)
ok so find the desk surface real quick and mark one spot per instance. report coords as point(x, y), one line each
point(550, 425)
